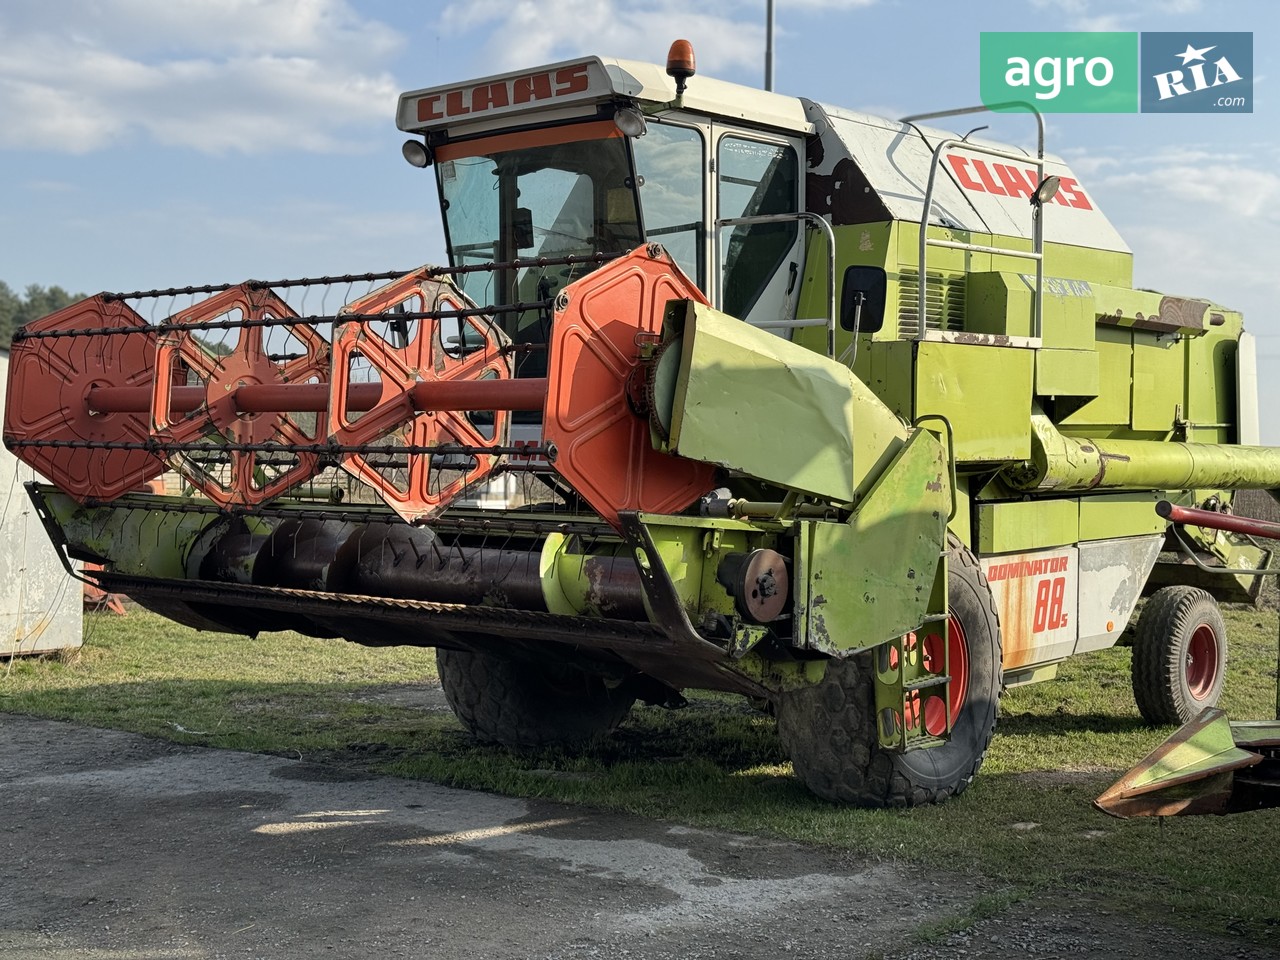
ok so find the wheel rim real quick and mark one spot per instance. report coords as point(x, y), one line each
point(958, 661)
point(1201, 663)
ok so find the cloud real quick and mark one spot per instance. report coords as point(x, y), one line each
point(1078, 16)
point(1214, 184)
point(1085, 163)
point(1104, 22)
point(830, 4)
point(214, 75)
point(525, 32)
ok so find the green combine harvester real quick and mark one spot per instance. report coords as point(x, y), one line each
point(720, 389)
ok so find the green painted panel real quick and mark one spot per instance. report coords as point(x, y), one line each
point(985, 393)
point(1211, 378)
point(1002, 303)
point(872, 579)
point(1115, 371)
point(866, 244)
point(1125, 306)
point(1106, 516)
point(1158, 387)
point(892, 367)
point(752, 402)
point(1068, 314)
point(998, 303)
point(1087, 263)
point(1067, 373)
point(1023, 525)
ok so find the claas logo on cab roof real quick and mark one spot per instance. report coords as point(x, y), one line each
point(546, 85)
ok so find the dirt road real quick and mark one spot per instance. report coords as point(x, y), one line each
point(113, 846)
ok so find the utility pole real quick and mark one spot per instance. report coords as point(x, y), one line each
point(768, 45)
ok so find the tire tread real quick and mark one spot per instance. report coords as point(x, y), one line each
point(513, 704)
point(1158, 670)
point(830, 732)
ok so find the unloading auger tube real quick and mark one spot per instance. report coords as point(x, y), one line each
point(1063, 463)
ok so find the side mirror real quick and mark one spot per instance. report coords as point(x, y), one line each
point(522, 228)
point(862, 299)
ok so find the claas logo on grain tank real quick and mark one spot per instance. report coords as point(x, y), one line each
point(1003, 180)
point(547, 85)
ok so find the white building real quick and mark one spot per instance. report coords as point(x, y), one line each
point(41, 605)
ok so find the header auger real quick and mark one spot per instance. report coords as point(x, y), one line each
point(720, 389)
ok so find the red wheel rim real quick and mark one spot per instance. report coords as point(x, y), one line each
point(958, 661)
point(1202, 662)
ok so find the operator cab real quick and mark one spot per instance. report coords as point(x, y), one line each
point(587, 160)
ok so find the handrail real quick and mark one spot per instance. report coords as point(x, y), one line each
point(1037, 253)
point(951, 456)
point(813, 220)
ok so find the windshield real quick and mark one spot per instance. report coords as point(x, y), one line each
point(565, 191)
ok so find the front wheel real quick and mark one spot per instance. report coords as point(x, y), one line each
point(1179, 655)
point(829, 728)
point(528, 705)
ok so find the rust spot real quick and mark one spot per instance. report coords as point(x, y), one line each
point(982, 339)
point(1100, 475)
point(819, 636)
point(1015, 637)
point(1181, 313)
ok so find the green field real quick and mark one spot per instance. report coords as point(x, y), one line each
point(1026, 825)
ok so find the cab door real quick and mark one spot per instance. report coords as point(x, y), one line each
point(758, 266)
point(693, 173)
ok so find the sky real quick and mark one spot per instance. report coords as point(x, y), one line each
point(154, 143)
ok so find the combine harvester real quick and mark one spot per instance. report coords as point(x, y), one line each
point(721, 389)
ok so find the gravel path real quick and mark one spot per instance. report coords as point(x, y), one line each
point(115, 846)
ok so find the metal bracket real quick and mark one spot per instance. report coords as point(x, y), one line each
point(55, 534)
point(1176, 530)
point(664, 601)
point(904, 685)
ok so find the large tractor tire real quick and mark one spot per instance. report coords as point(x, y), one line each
point(1179, 655)
point(525, 705)
point(829, 729)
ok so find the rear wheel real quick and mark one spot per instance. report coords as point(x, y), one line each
point(528, 705)
point(1179, 655)
point(829, 728)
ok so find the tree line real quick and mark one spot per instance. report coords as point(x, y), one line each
point(35, 302)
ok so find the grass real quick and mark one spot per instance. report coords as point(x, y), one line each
point(1026, 825)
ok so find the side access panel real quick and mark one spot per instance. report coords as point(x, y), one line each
point(1112, 575)
point(984, 391)
point(870, 580)
point(1037, 599)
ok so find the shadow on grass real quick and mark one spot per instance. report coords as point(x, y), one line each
point(363, 723)
point(1058, 724)
point(359, 723)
